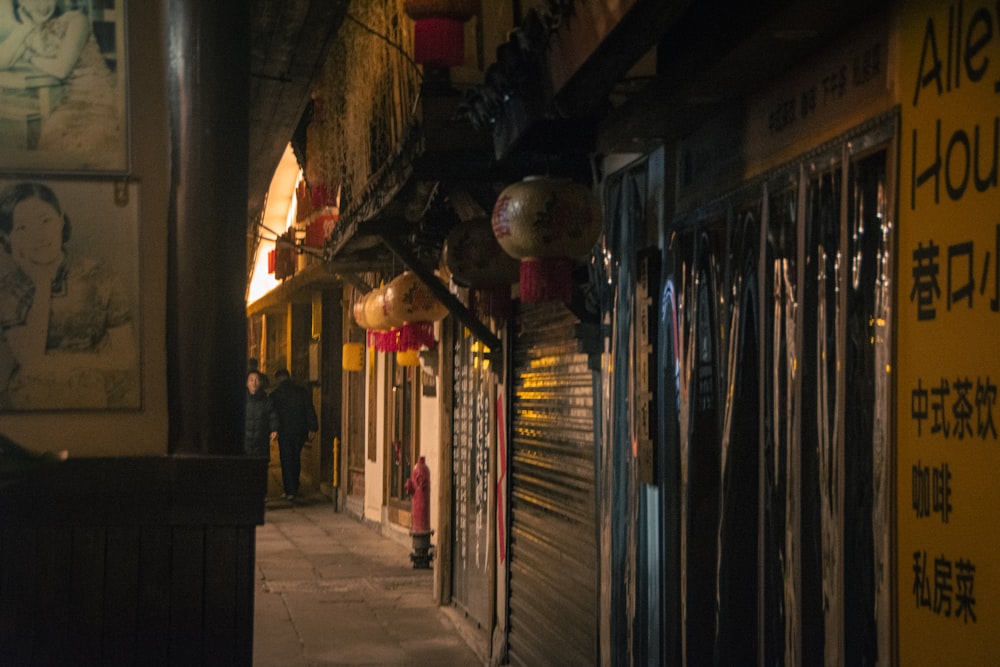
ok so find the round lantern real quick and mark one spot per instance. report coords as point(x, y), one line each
point(353, 357)
point(438, 30)
point(382, 327)
point(475, 259)
point(410, 301)
point(408, 358)
point(547, 223)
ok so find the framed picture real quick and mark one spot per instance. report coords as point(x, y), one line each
point(69, 295)
point(63, 97)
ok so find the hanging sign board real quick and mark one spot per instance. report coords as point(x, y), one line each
point(948, 324)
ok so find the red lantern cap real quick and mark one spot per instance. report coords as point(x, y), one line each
point(439, 42)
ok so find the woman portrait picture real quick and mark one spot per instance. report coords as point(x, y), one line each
point(59, 87)
point(67, 323)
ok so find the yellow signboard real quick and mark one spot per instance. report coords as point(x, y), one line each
point(948, 327)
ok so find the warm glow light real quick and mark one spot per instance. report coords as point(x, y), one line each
point(279, 213)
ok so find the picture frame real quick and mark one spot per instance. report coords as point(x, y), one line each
point(82, 351)
point(64, 107)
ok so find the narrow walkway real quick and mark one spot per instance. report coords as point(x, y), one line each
point(332, 591)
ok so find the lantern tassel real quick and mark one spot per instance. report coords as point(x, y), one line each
point(546, 279)
point(414, 335)
point(439, 42)
point(384, 341)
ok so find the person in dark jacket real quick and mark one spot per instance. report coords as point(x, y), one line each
point(297, 423)
point(261, 418)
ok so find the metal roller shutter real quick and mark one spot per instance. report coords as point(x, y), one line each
point(553, 551)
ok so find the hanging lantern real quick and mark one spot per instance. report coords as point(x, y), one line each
point(408, 358)
point(314, 231)
point(284, 256)
point(410, 301)
point(475, 260)
point(439, 31)
point(383, 328)
point(326, 213)
point(358, 310)
point(353, 357)
point(547, 223)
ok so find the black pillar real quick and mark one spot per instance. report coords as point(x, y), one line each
point(209, 60)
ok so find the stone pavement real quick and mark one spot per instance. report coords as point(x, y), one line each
point(330, 590)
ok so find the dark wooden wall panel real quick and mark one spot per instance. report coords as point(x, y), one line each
point(17, 594)
point(187, 583)
point(153, 613)
point(86, 594)
point(129, 561)
point(221, 586)
point(52, 586)
point(120, 602)
point(246, 577)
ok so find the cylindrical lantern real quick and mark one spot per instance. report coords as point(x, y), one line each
point(438, 31)
point(353, 357)
point(360, 313)
point(408, 358)
point(410, 301)
point(326, 213)
point(547, 223)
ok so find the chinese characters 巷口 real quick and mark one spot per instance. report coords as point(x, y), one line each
point(963, 278)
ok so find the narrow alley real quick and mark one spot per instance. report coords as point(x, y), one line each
point(330, 590)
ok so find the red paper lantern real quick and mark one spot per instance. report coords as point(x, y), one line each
point(547, 223)
point(314, 233)
point(325, 216)
point(409, 300)
point(438, 31)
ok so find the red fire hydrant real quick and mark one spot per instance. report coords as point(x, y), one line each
point(419, 488)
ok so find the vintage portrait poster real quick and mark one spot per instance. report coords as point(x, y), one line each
point(69, 295)
point(63, 86)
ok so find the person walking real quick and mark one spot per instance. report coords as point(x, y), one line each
point(297, 423)
point(261, 418)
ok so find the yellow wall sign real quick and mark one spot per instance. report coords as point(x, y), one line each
point(948, 327)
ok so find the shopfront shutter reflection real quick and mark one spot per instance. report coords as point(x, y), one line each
point(553, 552)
